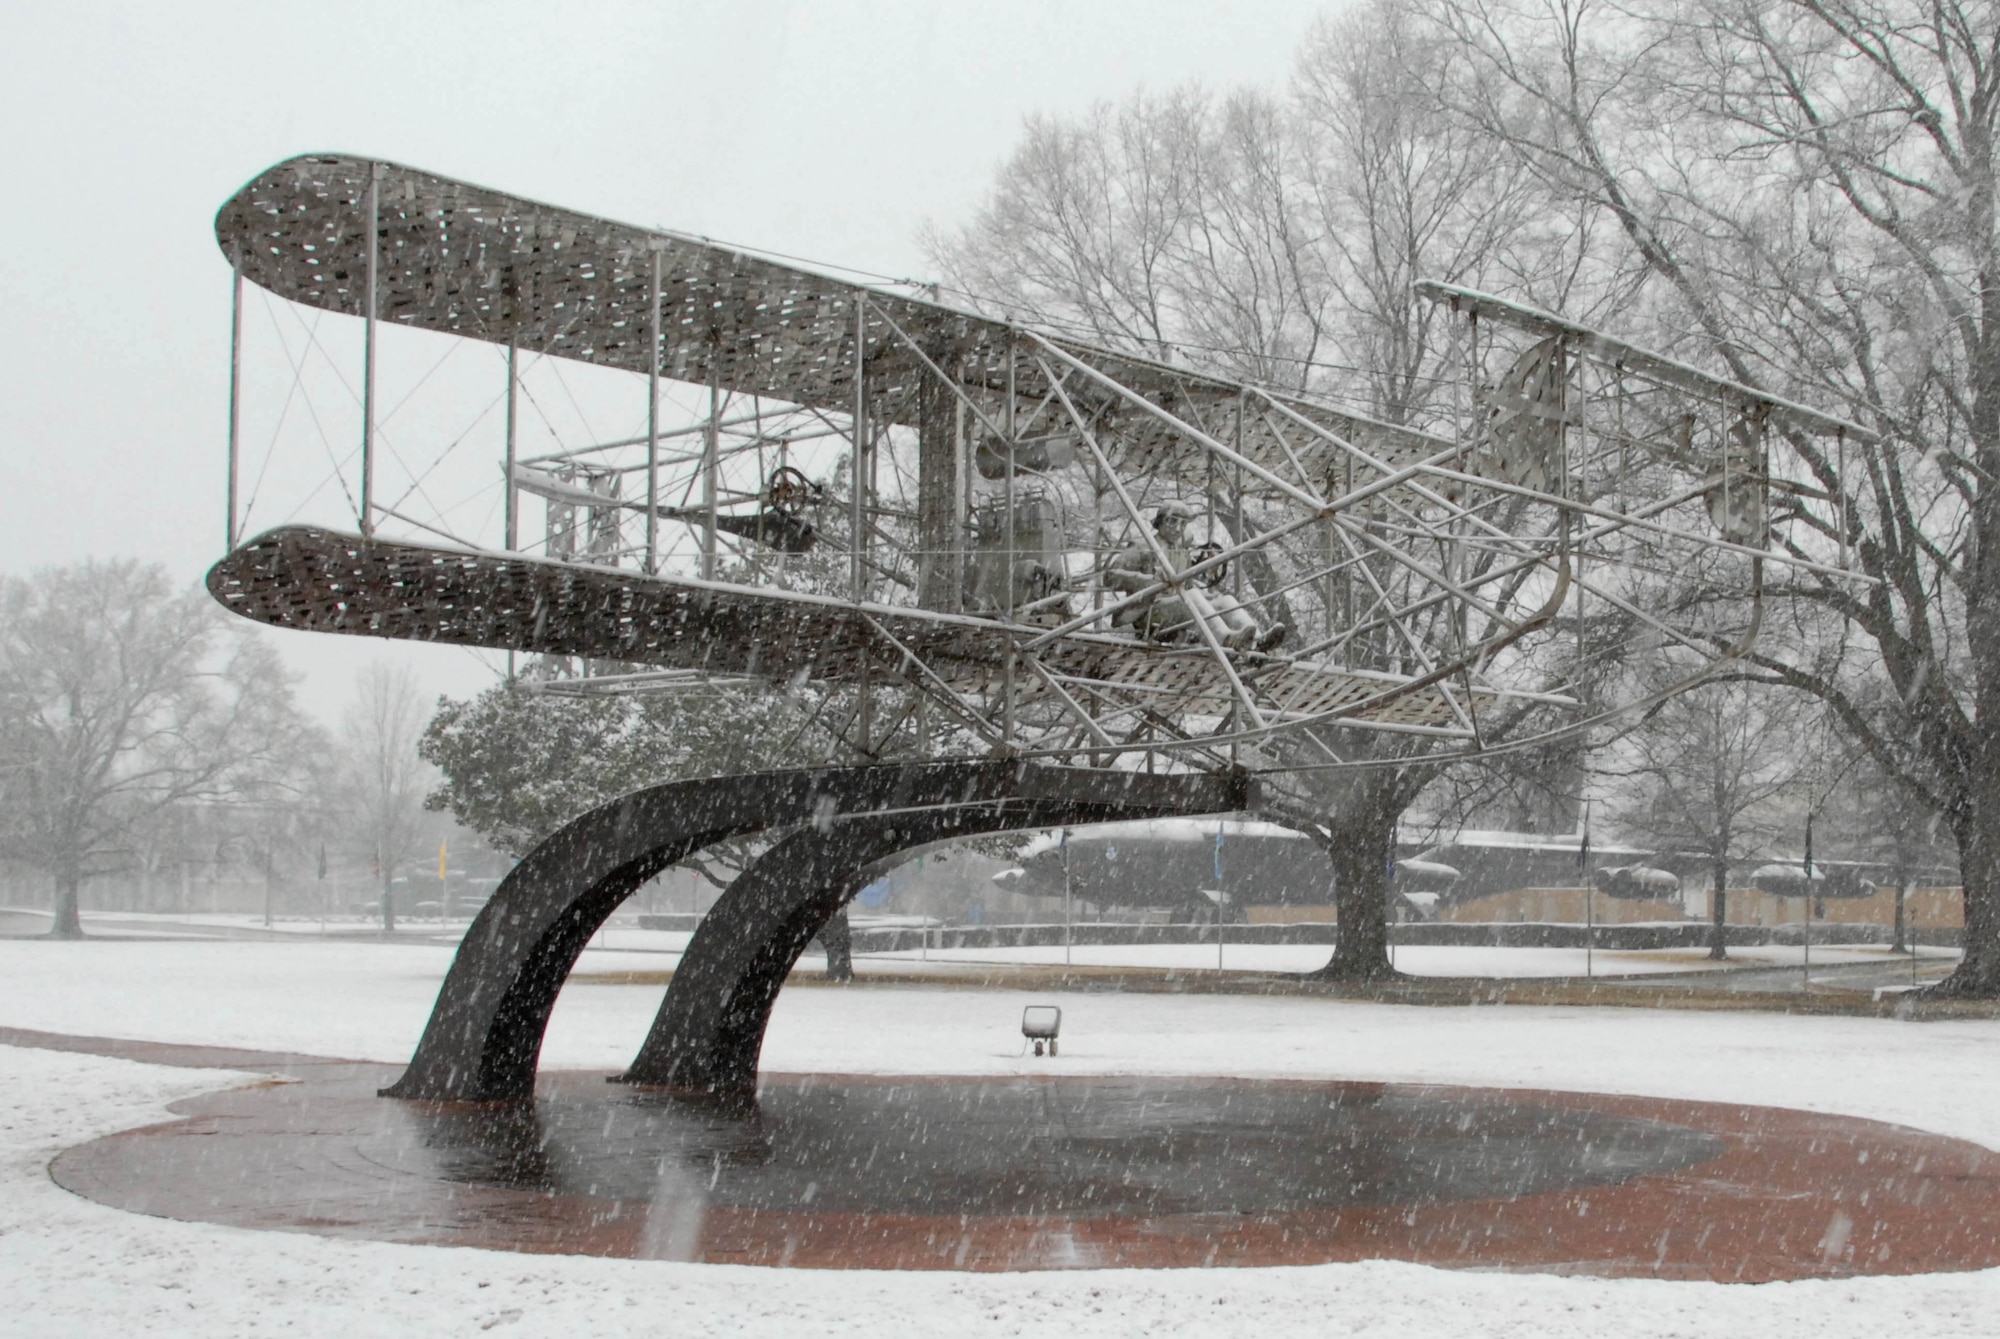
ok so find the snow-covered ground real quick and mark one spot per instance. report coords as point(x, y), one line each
point(72, 1267)
point(1417, 960)
point(623, 935)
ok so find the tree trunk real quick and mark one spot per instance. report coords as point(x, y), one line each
point(388, 909)
point(838, 941)
point(1359, 852)
point(1978, 973)
point(1718, 907)
point(67, 924)
point(1902, 944)
point(1975, 812)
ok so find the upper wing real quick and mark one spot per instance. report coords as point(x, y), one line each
point(477, 263)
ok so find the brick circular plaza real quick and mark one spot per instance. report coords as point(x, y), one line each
point(1049, 1172)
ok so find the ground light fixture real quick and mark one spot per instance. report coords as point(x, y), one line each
point(1040, 1023)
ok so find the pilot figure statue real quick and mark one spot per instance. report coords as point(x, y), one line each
point(1169, 615)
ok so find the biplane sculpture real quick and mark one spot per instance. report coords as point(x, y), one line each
point(1059, 582)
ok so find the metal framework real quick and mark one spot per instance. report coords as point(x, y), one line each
point(1046, 548)
point(1011, 545)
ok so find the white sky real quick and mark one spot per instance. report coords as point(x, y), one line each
point(828, 130)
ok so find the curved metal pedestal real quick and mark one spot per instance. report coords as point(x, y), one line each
point(484, 1037)
point(710, 1028)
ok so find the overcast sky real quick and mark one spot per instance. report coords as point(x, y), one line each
point(830, 130)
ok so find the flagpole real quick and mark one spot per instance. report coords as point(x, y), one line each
point(1805, 974)
point(1589, 901)
point(1389, 865)
point(1221, 897)
point(1069, 905)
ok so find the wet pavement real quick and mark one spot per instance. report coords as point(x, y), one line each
point(1052, 1172)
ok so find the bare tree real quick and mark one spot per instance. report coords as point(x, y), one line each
point(382, 780)
point(120, 699)
point(1869, 816)
point(1087, 225)
point(1400, 191)
point(1811, 185)
point(1706, 773)
point(1275, 239)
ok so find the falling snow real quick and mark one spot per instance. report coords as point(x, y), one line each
point(69, 1266)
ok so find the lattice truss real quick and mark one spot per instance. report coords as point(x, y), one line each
point(1012, 539)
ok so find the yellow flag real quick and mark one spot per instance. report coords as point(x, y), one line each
point(441, 858)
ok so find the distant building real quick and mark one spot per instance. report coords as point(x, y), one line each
point(1262, 872)
point(1168, 869)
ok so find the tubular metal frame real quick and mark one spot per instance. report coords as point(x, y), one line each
point(1448, 569)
